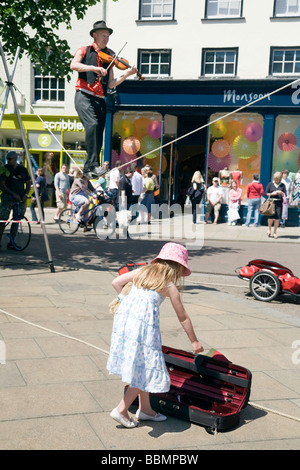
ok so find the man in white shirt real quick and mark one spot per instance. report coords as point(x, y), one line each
point(214, 198)
point(62, 185)
point(114, 177)
point(137, 189)
point(137, 184)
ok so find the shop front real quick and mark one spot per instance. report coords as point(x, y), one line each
point(51, 140)
point(222, 128)
point(226, 129)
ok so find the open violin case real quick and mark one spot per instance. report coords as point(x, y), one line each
point(209, 391)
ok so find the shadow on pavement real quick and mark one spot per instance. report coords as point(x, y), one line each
point(87, 251)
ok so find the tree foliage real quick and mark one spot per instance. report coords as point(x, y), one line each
point(33, 25)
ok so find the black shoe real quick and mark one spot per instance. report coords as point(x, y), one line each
point(88, 174)
point(97, 171)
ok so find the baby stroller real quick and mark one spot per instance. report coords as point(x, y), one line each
point(268, 279)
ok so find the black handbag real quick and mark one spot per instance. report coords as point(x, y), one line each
point(267, 208)
point(195, 193)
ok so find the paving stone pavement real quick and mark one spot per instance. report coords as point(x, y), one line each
point(55, 331)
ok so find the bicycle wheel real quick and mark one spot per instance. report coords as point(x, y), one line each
point(21, 238)
point(265, 286)
point(67, 222)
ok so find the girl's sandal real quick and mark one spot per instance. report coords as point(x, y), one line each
point(119, 418)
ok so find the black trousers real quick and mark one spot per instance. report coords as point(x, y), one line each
point(91, 111)
point(195, 204)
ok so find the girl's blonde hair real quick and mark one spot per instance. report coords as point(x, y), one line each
point(158, 275)
point(197, 177)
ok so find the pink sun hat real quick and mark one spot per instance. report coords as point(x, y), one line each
point(175, 252)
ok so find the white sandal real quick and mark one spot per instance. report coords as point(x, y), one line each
point(140, 415)
point(119, 418)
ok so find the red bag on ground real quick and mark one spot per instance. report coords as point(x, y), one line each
point(248, 271)
point(290, 283)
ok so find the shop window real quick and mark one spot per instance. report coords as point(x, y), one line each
point(285, 62)
point(234, 151)
point(48, 87)
point(137, 137)
point(155, 63)
point(219, 62)
point(156, 9)
point(286, 144)
point(287, 8)
point(223, 9)
point(11, 138)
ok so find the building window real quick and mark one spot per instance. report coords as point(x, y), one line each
point(155, 63)
point(285, 62)
point(223, 9)
point(156, 9)
point(286, 143)
point(287, 8)
point(48, 87)
point(219, 62)
point(231, 154)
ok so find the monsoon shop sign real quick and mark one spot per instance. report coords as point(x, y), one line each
point(64, 125)
point(287, 97)
point(231, 96)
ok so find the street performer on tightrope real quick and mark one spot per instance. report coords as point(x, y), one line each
point(91, 87)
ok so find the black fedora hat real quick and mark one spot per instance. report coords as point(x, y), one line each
point(100, 25)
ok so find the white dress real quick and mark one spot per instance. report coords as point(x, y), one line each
point(135, 351)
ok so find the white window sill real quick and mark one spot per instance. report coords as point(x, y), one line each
point(223, 18)
point(48, 104)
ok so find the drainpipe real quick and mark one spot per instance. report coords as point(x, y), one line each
point(104, 10)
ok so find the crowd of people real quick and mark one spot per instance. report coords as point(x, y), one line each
point(282, 190)
point(127, 188)
point(135, 191)
point(130, 189)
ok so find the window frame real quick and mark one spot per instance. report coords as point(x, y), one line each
point(234, 50)
point(151, 18)
point(49, 89)
point(287, 15)
point(153, 51)
point(219, 17)
point(283, 49)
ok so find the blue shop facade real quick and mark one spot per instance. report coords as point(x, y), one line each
point(225, 128)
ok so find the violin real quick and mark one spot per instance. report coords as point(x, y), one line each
point(119, 62)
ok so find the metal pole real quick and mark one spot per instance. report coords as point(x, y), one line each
point(9, 79)
point(161, 155)
point(11, 89)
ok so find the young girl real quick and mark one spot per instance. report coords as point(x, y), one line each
point(234, 203)
point(136, 349)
